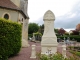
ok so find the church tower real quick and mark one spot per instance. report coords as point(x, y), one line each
point(24, 6)
point(23, 18)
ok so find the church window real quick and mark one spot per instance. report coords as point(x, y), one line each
point(6, 16)
point(22, 19)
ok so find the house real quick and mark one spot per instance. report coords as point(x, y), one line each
point(78, 27)
point(16, 10)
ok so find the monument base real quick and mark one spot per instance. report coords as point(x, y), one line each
point(48, 48)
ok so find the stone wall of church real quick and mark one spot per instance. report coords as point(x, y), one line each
point(18, 17)
point(16, 2)
point(13, 15)
point(24, 6)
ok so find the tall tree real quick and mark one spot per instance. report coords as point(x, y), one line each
point(41, 29)
point(61, 31)
point(56, 30)
point(32, 28)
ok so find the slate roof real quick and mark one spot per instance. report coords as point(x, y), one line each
point(7, 4)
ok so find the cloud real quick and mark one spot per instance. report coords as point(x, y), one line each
point(69, 20)
point(66, 21)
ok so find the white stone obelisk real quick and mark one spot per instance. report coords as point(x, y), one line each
point(49, 39)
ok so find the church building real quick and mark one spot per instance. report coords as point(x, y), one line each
point(16, 10)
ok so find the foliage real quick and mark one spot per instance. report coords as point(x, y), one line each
point(76, 53)
point(38, 36)
point(75, 32)
point(61, 31)
point(30, 35)
point(41, 29)
point(37, 33)
point(10, 38)
point(56, 30)
point(56, 56)
point(33, 27)
point(76, 37)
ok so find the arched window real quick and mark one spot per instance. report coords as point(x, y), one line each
point(6, 16)
point(22, 19)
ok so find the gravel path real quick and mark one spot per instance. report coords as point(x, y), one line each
point(25, 53)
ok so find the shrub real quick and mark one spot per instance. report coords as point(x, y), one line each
point(10, 38)
point(76, 53)
point(76, 37)
point(56, 56)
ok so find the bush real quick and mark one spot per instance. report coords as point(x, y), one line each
point(75, 52)
point(10, 38)
point(56, 56)
point(76, 37)
point(78, 54)
point(38, 36)
point(30, 35)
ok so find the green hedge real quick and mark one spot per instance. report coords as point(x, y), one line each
point(76, 37)
point(10, 38)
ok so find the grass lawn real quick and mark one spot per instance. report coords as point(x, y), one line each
point(75, 52)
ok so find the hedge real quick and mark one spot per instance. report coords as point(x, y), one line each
point(76, 37)
point(10, 38)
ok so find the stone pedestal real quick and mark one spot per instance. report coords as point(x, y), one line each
point(49, 39)
point(64, 50)
point(33, 53)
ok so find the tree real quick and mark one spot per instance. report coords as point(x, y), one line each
point(75, 32)
point(32, 28)
point(61, 31)
point(41, 29)
point(56, 30)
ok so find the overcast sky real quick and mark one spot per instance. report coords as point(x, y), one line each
point(67, 12)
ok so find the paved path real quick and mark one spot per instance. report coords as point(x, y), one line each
point(25, 53)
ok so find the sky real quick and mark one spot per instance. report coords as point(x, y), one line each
point(67, 12)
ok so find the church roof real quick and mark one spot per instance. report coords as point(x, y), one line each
point(7, 4)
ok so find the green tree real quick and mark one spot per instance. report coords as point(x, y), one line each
point(41, 29)
point(32, 28)
point(56, 30)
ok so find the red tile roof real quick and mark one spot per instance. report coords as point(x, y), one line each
point(8, 4)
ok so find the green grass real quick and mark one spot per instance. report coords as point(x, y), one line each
point(76, 53)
